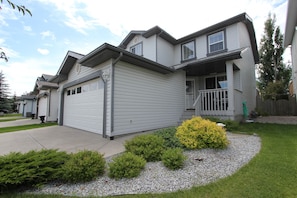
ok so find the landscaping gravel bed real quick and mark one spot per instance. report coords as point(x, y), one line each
point(201, 167)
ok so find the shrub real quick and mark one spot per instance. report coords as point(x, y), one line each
point(83, 166)
point(127, 165)
point(168, 135)
point(173, 158)
point(201, 133)
point(31, 169)
point(148, 146)
point(231, 125)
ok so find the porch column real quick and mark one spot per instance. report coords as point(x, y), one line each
point(230, 80)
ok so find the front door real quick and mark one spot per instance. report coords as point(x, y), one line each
point(190, 94)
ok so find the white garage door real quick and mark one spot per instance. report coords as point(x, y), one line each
point(83, 106)
point(42, 106)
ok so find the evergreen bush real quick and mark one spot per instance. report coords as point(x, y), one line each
point(199, 133)
point(127, 165)
point(168, 135)
point(148, 146)
point(83, 166)
point(30, 169)
point(230, 125)
point(173, 158)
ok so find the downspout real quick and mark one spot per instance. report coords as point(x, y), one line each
point(112, 91)
point(61, 113)
point(157, 45)
point(49, 103)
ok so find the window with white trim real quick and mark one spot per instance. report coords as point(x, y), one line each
point(216, 42)
point(136, 49)
point(188, 51)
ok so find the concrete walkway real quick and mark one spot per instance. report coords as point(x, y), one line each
point(57, 137)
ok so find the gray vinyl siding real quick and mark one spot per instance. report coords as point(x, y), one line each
point(146, 100)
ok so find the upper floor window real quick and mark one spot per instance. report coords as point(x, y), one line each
point(216, 42)
point(188, 51)
point(136, 49)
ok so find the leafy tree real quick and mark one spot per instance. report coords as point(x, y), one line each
point(3, 55)
point(20, 8)
point(271, 67)
point(5, 102)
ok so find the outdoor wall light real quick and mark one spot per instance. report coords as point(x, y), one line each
point(106, 75)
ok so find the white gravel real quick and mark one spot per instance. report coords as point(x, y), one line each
point(215, 164)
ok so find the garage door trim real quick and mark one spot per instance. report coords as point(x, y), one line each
point(92, 76)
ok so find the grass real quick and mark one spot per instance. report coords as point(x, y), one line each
point(26, 127)
point(11, 115)
point(272, 173)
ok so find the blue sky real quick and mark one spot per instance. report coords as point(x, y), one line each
point(37, 45)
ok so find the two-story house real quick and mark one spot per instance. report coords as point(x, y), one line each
point(47, 98)
point(291, 40)
point(152, 79)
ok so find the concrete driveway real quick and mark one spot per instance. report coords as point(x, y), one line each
point(58, 137)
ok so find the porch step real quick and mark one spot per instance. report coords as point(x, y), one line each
point(188, 114)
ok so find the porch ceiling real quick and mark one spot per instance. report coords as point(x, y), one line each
point(211, 65)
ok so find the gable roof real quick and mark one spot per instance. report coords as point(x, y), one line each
point(291, 22)
point(244, 18)
point(67, 64)
point(146, 34)
point(107, 51)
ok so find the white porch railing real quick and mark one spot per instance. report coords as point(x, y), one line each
point(212, 102)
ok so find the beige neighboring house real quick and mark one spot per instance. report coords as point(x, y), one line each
point(153, 80)
point(291, 41)
point(47, 98)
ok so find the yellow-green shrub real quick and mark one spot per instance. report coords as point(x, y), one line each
point(199, 133)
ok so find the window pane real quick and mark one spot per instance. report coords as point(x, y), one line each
point(210, 83)
point(222, 82)
point(188, 51)
point(137, 49)
point(216, 41)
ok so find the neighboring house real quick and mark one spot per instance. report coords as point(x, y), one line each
point(47, 98)
point(26, 105)
point(291, 40)
point(153, 80)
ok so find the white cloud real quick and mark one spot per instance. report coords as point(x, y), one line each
point(178, 19)
point(21, 76)
point(27, 28)
point(49, 34)
point(43, 51)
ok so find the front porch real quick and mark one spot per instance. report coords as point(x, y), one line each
point(213, 87)
point(217, 103)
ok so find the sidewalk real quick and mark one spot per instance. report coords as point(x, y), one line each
point(58, 137)
point(20, 122)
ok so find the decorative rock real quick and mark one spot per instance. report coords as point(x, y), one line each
point(213, 165)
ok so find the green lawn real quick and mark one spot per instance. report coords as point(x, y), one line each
point(272, 173)
point(26, 127)
point(10, 117)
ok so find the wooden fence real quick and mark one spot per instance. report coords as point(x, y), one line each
point(281, 107)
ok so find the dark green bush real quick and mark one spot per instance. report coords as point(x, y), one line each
point(127, 165)
point(168, 135)
point(173, 158)
point(30, 169)
point(148, 146)
point(231, 125)
point(83, 166)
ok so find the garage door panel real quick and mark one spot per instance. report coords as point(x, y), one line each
point(85, 110)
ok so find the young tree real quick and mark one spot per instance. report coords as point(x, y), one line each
point(271, 67)
point(5, 102)
point(20, 8)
